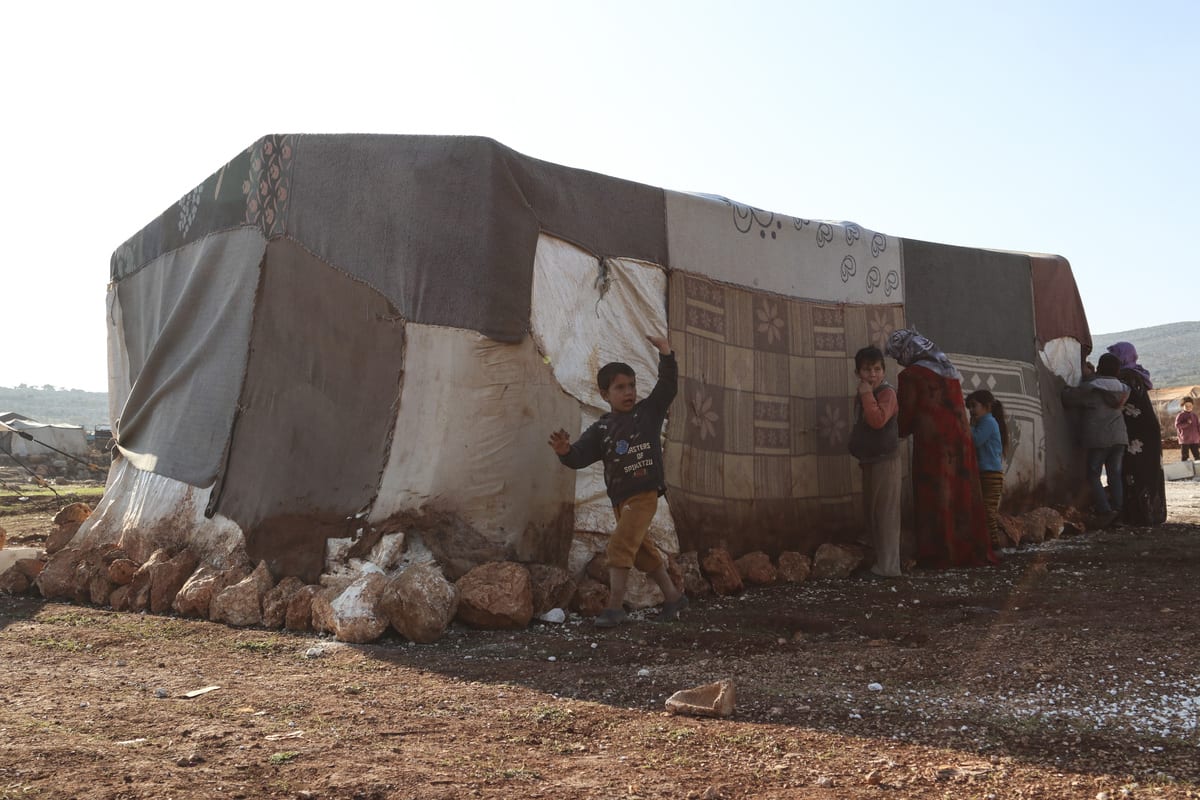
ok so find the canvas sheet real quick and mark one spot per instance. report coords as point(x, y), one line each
point(1015, 384)
point(120, 381)
point(971, 301)
point(185, 327)
point(745, 246)
point(315, 411)
point(587, 312)
point(756, 453)
point(1065, 459)
point(445, 227)
point(1063, 357)
point(470, 441)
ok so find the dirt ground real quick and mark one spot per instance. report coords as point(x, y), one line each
point(1072, 670)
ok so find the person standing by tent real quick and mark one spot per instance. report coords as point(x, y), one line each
point(629, 442)
point(989, 431)
point(949, 518)
point(1187, 428)
point(876, 445)
point(1102, 398)
point(1145, 485)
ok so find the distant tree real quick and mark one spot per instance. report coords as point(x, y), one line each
point(47, 387)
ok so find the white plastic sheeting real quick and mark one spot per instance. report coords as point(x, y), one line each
point(1064, 357)
point(586, 313)
point(143, 511)
point(471, 432)
point(46, 439)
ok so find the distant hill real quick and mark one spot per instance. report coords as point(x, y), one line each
point(49, 404)
point(1171, 352)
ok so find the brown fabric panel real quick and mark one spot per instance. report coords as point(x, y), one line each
point(316, 410)
point(757, 437)
point(1057, 307)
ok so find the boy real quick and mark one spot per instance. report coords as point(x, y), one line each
point(1103, 401)
point(875, 442)
point(1187, 428)
point(628, 441)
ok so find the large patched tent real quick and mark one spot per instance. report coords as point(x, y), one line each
point(335, 334)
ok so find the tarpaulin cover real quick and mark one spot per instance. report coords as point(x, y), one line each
point(971, 301)
point(1058, 309)
point(47, 438)
point(186, 330)
point(444, 226)
point(315, 412)
point(757, 441)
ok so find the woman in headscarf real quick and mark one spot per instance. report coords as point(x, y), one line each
point(949, 517)
point(1145, 486)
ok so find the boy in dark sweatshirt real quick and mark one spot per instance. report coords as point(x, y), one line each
point(629, 442)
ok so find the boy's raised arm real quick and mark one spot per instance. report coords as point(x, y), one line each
point(668, 375)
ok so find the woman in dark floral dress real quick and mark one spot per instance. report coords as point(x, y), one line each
point(1145, 486)
point(949, 518)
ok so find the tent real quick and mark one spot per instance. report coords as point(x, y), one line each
point(334, 334)
point(23, 437)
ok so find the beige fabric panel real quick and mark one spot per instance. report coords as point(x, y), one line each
point(470, 441)
point(119, 380)
point(832, 262)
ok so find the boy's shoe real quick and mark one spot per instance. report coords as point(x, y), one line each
point(610, 618)
point(670, 610)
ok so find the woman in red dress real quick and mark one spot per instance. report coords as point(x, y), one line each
point(949, 517)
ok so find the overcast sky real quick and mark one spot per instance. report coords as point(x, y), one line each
point(1059, 127)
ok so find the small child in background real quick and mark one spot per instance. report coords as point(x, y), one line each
point(989, 431)
point(1187, 427)
point(875, 442)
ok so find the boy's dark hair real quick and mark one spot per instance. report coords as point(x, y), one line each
point(1109, 366)
point(612, 369)
point(867, 356)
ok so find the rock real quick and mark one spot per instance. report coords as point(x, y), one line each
point(57, 579)
point(195, 596)
point(240, 605)
point(420, 603)
point(1044, 524)
point(322, 609)
point(73, 514)
point(168, 577)
point(836, 560)
point(591, 597)
point(694, 582)
point(13, 581)
point(121, 570)
point(275, 602)
point(1014, 531)
point(597, 568)
point(3, 537)
point(30, 567)
point(357, 616)
point(554, 615)
point(721, 571)
point(641, 591)
point(711, 700)
point(756, 569)
point(552, 587)
point(119, 599)
point(299, 609)
point(497, 595)
point(66, 525)
point(794, 567)
point(139, 584)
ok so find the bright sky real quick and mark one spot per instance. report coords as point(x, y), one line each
point(1061, 127)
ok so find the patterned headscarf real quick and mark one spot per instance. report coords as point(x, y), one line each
point(909, 347)
point(1127, 354)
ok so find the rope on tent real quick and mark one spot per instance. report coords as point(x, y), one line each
point(36, 478)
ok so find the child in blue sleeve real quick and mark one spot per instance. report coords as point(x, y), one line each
point(990, 434)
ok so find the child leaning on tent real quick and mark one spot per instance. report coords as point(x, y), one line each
point(628, 441)
point(1102, 399)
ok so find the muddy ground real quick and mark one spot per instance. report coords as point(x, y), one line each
point(1071, 670)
